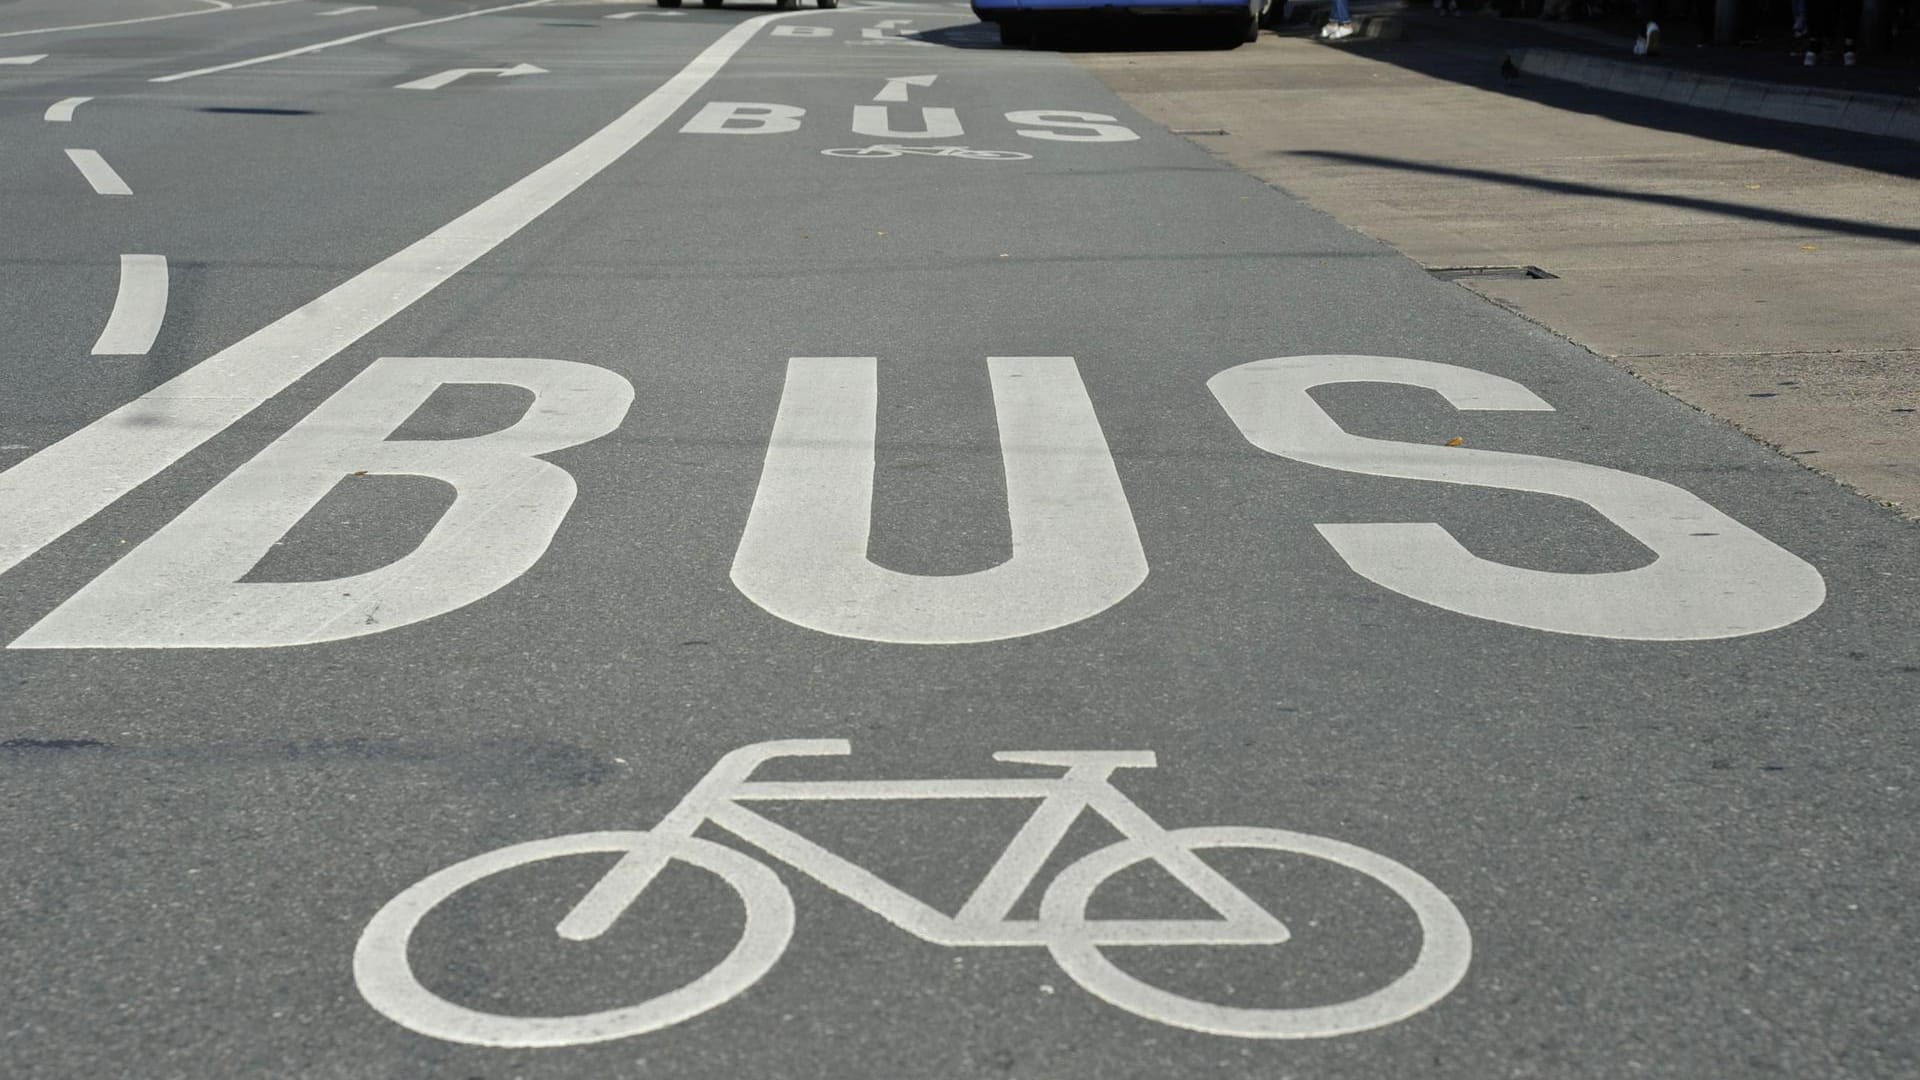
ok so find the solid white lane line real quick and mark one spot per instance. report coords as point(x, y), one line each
point(348, 40)
point(98, 173)
point(21, 61)
point(138, 310)
point(147, 18)
point(48, 494)
point(61, 112)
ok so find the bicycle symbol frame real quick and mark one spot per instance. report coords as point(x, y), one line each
point(386, 979)
point(894, 150)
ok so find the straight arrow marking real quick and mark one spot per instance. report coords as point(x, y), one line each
point(896, 88)
point(446, 78)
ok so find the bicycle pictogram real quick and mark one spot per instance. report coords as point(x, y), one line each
point(894, 150)
point(387, 980)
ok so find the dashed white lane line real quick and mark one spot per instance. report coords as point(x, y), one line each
point(138, 310)
point(348, 40)
point(48, 494)
point(349, 10)
point(147, 18)
point(61, 112)
point(98, 173)
point(21, 61)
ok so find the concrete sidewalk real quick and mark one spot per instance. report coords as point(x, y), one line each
point(1767, 273)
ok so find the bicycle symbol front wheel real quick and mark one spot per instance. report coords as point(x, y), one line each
point(1446, 945)
point(387, 981)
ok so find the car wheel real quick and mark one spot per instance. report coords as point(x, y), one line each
point(667, 3)
point(711, 3)
point(828, 4)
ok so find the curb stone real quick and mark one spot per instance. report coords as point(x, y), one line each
point(1869, 114)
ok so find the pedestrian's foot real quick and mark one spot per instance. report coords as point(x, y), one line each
point(1340, 31)
point(1653, 38)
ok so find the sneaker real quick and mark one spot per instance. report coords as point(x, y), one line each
point(1341, 32)
point(1812, 59)
point(1640, 45)
point(1653, 38)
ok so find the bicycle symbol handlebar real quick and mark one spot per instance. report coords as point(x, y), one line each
point(894, 150)
point(386, 979)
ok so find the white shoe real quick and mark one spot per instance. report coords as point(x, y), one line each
point(1341, 32)
point(1653, 38)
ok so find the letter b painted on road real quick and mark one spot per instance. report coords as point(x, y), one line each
point(183, 587)
point(744, 118)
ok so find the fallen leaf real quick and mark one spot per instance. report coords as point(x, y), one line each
point(1456, 441)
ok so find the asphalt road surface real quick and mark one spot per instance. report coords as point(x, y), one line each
point(418, 483)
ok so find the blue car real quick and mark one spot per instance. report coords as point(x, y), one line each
point(1021, 21)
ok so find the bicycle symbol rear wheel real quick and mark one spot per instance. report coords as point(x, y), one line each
point(386, 978)
point(1446, 945)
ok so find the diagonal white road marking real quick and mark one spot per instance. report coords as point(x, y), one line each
point(46, 495)
point(348, 40)
point(147, 18)
point(98, 173)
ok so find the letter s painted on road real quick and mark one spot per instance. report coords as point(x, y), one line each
point(1081, 126)
point(1712, 577)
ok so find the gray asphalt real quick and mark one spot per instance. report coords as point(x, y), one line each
point(1677, 859)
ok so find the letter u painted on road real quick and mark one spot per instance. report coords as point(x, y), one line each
point(1711, 577)
point(803, 556)
point(183, 587)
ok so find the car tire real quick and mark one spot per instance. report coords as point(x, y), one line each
point(828, 5)
point(667, 3)
point(711, 3)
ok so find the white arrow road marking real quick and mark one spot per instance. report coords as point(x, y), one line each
point(896, 88)
point(22, 61)
point(147, 18)
point(348, 40)
point(349, 10)
point(139, 309)
point(61, 112)
point(48, 494)
point(447, 78)
point(98, 173)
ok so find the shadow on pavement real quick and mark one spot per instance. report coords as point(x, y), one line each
point(1479, 64)
point(1593, 191)
point(1145, 34)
